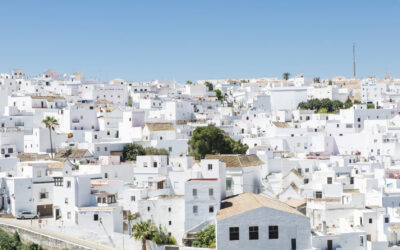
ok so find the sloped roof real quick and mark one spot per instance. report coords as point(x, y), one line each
point(245, 202)
point(281, 124)
point(294, 171)
point(71, 153)
point(56, 165)
point(237, 161)
point(32, 157)
point(160, 126)
point(48, 98)
point(295, 203)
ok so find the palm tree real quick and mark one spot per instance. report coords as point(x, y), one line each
point(286, 76)
point(143, 231)
point(50, 122)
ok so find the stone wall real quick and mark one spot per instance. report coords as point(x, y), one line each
point(46, 241)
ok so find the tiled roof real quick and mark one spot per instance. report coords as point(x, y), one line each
point(281, 124)
point(245, 202)
point(48, 98)
point(237, 161)
point(71, 153)
point(160, 126)
point(56, 165)
point(295, 203)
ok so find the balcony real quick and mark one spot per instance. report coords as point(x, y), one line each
point(75, 120)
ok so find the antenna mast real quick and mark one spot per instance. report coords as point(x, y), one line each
point(354, 60)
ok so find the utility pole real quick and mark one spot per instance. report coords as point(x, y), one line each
point(354, 60)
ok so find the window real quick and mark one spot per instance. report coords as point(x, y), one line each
point(329, 180)
point(228, 184)
point(58, 181)
point(69, 215)
point(273, 232)
point(211, 192)
point(155, 164)
point(351, 180)
point(95, 217)
point(106, 175)
point(44, 195)
point(306, 181)
point(370, 220)
point(318, 195)
point(253, 233)
point(211, 209)
point(233, 233)
point(368, 237)
point(307, 170)
point(209, 167)
point(194, 192)
point(133, 198)
point(10, 150)
point(361, 241)
point(195, 209)
point(68, 184)
point(105, 149)
point(386, 219)
point(169, 209)
point(39, 173)
point(148, 209)
point(66, 201)
point(170, 223)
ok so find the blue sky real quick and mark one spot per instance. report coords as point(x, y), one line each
point(200, 39)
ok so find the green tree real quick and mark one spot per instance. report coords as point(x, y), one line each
point(219, 94)
point(161, 237)
point(209, 85)
point(286, 76)
point(132, 150)
point(213, 140)
point(130, 101)
point(189, 82)
point(143, 231)
point(316, 80)
point(205, 238)
point(156, 151)
point(314, 104)
point(322, 111)
point(337, 105)
point(327, 104)
point(303, 105)
point(348, 103)
point(50, 123)
point(330, 82)
point(370, 106)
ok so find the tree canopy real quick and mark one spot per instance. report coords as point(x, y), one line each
point(205, 238)
point(144, 230)
point(286, 75)
point(219, 94)
point(131, 151)
point(209, 85)
point(325, 105)
point(213, 140)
